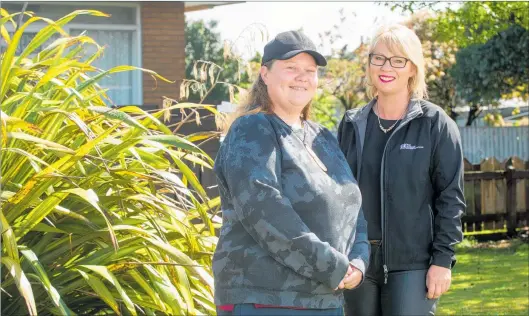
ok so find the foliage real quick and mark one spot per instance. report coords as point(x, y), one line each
point(467, 243)
point(491, 50)
point(215, 70)
point(478, 22)
point(410, 6)
point(101, 213)
point(488, 279)
point(203, 43)
point(341, 81)
point(469, 23)
point(499, 68)
point(344, 78)
point(494, 119)
point(325, 110)
point(439, 57)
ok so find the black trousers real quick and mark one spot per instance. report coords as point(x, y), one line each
point(403, 295)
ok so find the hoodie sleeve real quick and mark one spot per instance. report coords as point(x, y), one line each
point(347, 142)
point(359, 255)
point(339, 136)
point(449, 199)
point(251, 166)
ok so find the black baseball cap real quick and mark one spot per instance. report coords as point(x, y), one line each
point(288, 44)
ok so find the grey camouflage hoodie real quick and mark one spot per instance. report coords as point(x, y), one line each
point(290, 228)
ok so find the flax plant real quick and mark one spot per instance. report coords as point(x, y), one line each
point(101, 212)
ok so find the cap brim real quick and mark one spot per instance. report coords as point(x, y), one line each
point(320, 60)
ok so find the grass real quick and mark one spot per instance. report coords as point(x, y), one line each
point(492, 231)
point(489, 279)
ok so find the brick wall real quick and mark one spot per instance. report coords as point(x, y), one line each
point(163, 49)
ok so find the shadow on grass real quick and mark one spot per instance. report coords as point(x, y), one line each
point(489, 279)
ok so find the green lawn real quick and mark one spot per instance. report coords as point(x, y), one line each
point(489, 279)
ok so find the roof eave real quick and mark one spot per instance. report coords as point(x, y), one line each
point(204, 5)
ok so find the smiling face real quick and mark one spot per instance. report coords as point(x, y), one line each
point(291, 83)
point(389, 80)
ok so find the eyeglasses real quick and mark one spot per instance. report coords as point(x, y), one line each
point(395, 61)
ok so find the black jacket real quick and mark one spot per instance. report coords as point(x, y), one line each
point(421, 194)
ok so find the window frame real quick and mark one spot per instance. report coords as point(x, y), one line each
point(137, 76)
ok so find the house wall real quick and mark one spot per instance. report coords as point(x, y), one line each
point(163, 49)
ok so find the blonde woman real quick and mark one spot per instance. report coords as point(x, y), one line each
point(293, 235)
point(406, 154)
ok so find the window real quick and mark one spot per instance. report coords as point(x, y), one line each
point(119, 34)
point(26, 38)
point(118, 51)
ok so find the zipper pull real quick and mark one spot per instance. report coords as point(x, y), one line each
point(385, 274)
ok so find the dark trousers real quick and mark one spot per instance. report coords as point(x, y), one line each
point(250, 310)
point(403, 295)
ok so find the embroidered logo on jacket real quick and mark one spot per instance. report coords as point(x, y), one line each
point(409, 147)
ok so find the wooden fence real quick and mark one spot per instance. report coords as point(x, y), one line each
point(497, 195)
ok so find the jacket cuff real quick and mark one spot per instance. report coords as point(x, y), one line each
point(361, 266)
point(443, 260)
point(342, 264)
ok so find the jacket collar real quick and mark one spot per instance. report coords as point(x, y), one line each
point(361, 114)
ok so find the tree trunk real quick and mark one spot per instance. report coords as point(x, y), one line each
point(453, 114)
point(343, 101)
point(473, 114)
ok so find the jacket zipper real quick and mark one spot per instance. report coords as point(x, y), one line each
point(430, 212)
point(382, 204)
point(431, 222)
point(358, 157)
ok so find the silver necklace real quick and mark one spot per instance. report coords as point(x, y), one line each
point(386, 130)
point(307, 147)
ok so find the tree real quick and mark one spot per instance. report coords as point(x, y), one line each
point(211, 67)
point(345, 75)
point(471, 22)
point(489, 38)
point(498, 69)
point(478, 22)
point(215, 70)
point(439, 57)
point(342, 86)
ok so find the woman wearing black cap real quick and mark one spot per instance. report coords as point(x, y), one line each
point(293, 234)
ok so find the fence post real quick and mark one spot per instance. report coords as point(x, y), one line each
point(511, 201)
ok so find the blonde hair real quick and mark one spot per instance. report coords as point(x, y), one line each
point(257, 101)
point(402, 40)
